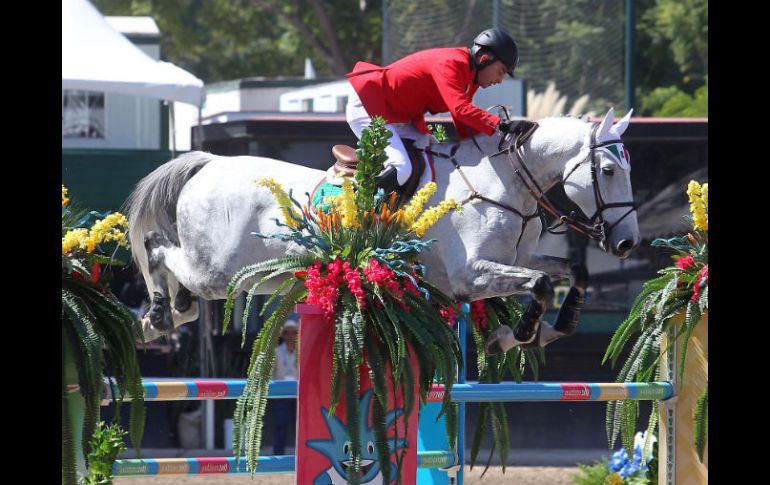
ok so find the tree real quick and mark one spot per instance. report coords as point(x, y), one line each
point(229, 39)
point(672, 57)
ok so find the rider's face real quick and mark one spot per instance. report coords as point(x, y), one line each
point(492, 74)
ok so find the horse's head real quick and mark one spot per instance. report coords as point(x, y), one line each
point(598, 180)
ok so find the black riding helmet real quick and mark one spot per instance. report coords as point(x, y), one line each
point(500, 45)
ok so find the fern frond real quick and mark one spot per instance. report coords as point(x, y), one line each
point(701, 421)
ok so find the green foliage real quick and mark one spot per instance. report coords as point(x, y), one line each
point(371, 157)
point(682, 26)
point(487, 316)
point(701, 418)
point(439, 132)
point(595, 474)
point(96, 329)
point(106, 445)
point(673, 102)
point(378, 303)
point(681, 290)
point(671, 59)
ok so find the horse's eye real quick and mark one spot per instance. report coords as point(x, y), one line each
point(608, 171)
point(346, 447)
point(370, 448)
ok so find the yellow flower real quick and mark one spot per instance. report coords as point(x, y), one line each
point(75, 238)
point(432, 215)
point(704, 190)
point(64, 199)
point(614, 479)
point(698, 205)
point(413, 209)
point(287, 206)
point(346, 204)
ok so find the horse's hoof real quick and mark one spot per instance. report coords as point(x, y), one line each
point(501, 340)
point(148, 332)
point(542, 290)
point(160, 313)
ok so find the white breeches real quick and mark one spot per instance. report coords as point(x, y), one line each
point(358, 119)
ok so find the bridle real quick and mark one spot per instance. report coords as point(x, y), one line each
point(595, 227)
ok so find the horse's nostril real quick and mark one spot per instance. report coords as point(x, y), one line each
point(625, 245)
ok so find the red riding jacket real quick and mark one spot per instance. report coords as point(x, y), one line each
point(433, 80)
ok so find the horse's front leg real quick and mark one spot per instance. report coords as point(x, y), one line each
point(502, 280)
point(569, 313)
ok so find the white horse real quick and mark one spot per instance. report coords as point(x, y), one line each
point(191, 220)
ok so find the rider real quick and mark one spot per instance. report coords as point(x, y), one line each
point(434, 80)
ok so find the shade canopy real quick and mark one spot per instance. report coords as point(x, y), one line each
point(96, 57)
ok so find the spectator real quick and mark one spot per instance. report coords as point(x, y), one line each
point(285, 369)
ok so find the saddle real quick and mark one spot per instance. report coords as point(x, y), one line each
point(346, 161)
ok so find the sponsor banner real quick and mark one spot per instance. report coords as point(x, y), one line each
point(210, 390)
point(575, 392)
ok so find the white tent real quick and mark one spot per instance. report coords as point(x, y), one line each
point(96, 57)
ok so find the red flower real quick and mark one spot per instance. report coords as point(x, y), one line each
point(479, 314)
point(410, 287)
point(95, 273)
point(353, 280)
point(450, 314)
point(684, 263)
point(323, 291)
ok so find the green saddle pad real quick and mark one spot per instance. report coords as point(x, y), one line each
point(324, 190)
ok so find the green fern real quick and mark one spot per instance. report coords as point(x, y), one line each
point(650, 317)
point(701, 419)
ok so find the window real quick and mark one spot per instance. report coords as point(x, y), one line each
point(82, 114)
point(342, 102)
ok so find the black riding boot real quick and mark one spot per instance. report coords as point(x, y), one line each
point(387, 180)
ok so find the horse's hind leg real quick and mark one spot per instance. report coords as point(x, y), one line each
point(527, 330)
point(159, 314)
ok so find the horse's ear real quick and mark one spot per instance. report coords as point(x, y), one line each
point(604, 127)
point(621, 125)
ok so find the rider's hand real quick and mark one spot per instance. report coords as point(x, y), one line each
point(514, 127)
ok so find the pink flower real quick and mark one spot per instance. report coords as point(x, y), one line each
point(701, 281)
point(684, 263)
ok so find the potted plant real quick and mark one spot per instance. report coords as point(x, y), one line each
point(675, 302)
point(97, 331)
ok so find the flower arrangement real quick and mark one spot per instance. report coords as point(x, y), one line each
point(357, 260)
point(95, 325)
point(682, 289)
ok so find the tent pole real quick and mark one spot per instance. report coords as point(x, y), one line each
point(171, 105)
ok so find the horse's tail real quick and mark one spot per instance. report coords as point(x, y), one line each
point(152, 204)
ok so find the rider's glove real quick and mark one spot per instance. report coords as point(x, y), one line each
point(514, 127)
